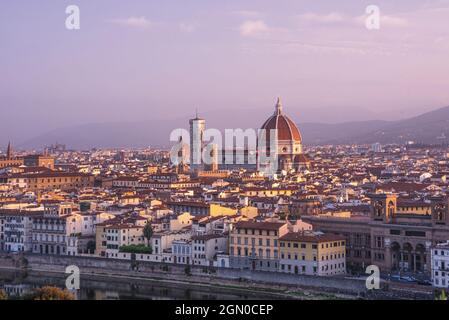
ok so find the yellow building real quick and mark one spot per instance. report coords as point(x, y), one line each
point(415, 207)
point(216, 210)
point(183, 220)
point(249, 212)
point(37, 160)
point(312, 254)
point(214, 174)
point(119, 235)
point(267, 192)
point(58, 180)
point(254, 245)
point(14, 162)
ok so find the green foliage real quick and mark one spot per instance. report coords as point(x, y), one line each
point(148, 232)
point(76, 234)
point(136, 248)
point(442, 296)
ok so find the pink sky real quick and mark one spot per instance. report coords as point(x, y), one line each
point(161, 59)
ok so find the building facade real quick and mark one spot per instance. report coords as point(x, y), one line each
point(254, 245)
point(312, 254)
point(52, 228)
point(16, 230)
point(396, 242)
point(440, 265)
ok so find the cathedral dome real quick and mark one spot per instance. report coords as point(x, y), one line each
point(286, 128)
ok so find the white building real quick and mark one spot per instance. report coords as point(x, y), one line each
point(162, 241)
point(120, 235)
point(182, 251)
point(52, 228)
point(206, 247)
point(440, 265)
point(16, 230)
point(91, 219)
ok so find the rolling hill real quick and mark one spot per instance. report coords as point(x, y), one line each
point(431, 128)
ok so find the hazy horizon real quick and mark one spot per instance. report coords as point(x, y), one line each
point(147, 60)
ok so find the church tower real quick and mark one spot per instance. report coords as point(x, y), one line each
point(9, 154)
point(197, 127)
point(440, 216)
point(383, 207)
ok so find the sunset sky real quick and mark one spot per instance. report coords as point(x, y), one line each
point(142, 59)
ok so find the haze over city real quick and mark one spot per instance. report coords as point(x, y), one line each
point(161, 60)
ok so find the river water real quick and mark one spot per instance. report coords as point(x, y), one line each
point(17, 285)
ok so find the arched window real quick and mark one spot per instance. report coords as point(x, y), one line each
point(378, 208)
point(439, 209)
point(391, 208)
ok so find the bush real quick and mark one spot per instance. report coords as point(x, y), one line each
point(51, 293)
point(136, 248)
point(3, 295)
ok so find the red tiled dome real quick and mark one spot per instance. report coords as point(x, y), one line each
point(287, 129)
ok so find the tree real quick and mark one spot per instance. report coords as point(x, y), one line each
point(442, 296)
point(52, 293)
point(91, 246)
point(148, 232)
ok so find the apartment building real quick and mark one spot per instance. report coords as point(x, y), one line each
point(254, 245)
point(104, 236)
point(58, 180)
point(120, 235)
point(16, 230)
point(206, 247)
point(182, 251)
point(312, 253)
point(440, 265)
point(52, 228)
point(162, 241)
point(126, 182)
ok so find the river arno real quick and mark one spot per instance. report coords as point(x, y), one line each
point(17, 285)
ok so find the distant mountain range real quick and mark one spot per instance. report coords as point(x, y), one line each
point(431, 128)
